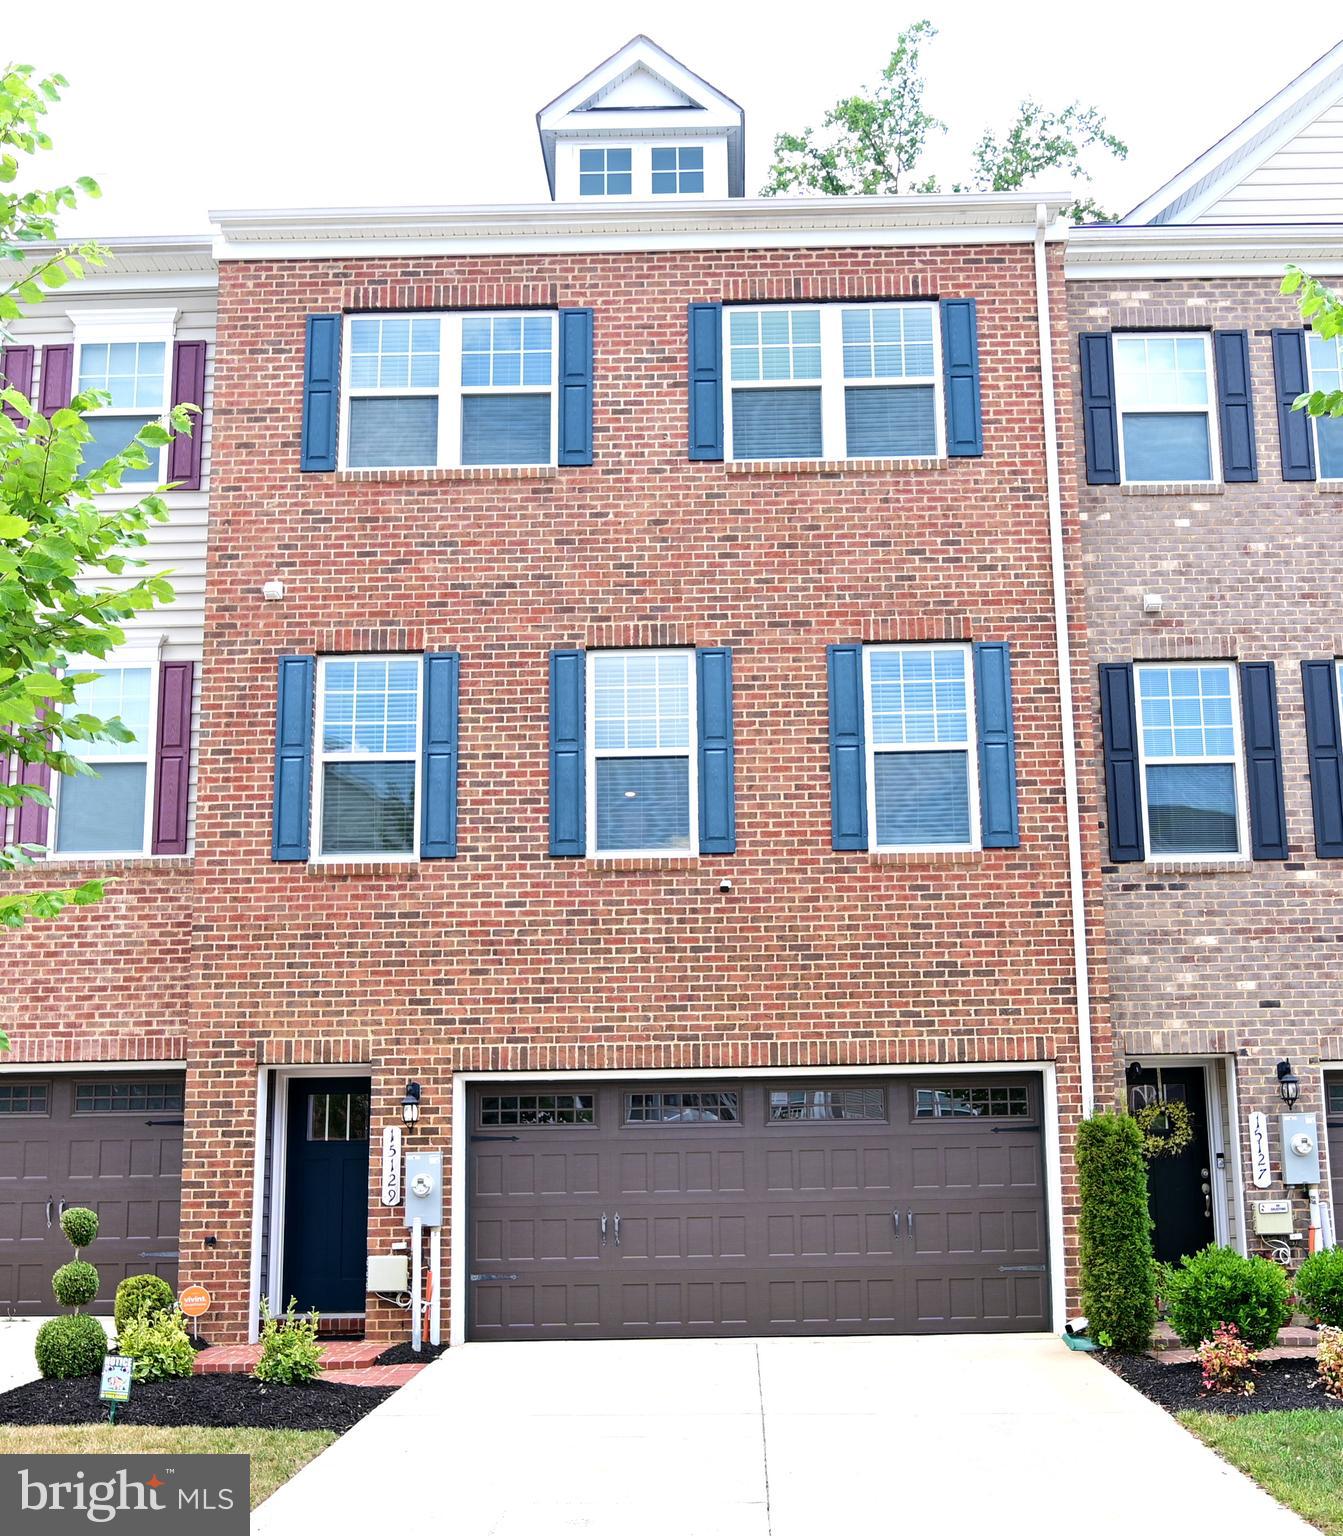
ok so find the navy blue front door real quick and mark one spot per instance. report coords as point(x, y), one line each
point(326, 1194)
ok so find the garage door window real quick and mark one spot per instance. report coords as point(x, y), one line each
point(537, 1109)
point(23, 1098)
point(827, 1104)
point(681, 1108)
point(998, 1102)
point(102, 1098)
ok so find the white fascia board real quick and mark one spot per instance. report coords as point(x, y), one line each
point(134, 263)
point(639, 50)
point(1202, 250)
point(687, 120)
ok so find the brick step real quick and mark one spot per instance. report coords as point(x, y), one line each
point(339, 1355)
point(1290, 1337)
point(378, 1376)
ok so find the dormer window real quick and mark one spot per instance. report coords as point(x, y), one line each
point(605, 172)
point(678, 168)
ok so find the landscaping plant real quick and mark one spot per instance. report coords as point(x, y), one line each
point(1329, 1360)
point(1118, 1275)
point(1319, 1286)
point(158, 1344)
point(1227, 1362)
point(73, 1345)
point(1219, 1285)
point(290, 1352)
point(143, 1296)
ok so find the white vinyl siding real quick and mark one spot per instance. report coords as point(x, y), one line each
point(1166, 400)
point(1300, 183)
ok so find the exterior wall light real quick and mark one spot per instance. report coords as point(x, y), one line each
point(1289, 1084)
point(410, 1104)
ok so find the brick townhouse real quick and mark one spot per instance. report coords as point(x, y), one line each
point(1212, 549)
point(636, 734)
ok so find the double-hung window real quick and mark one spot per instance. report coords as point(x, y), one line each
point(109, 813)
point(135, 375)
point(1189, 746)
point(922, 780)
point(833, 381)
point(642, 789)
point(450, 390)
point(678, 168)
point(1164, 394)
point(1325, 363)
point(605, 172)
point(365, 789)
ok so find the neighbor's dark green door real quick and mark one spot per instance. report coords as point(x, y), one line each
point(1179, 1188)
point(326, 1194)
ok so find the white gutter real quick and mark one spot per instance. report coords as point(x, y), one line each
point(1063, 650)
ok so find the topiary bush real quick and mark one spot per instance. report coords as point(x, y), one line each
point(1219, 1285)
point(1116, 1232)
point(1319, 1286)
point(158, 1344)
point(80, 1226)
point(75, 1284)
point(290, 1352)
point(144, 1296)
point(70, 1346)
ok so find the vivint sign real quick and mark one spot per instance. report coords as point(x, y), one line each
point(64, 1494)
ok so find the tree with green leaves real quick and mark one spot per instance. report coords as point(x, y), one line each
point(69, 567)
point(1322, 308)
point(873, 142)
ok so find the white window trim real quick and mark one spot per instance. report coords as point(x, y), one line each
point(832, 383)
point(591, 755)
point(449, 391)
point(1316, 420)
point(1209, 410)
point(320, 757)
point(1237, 761)
point(89, 753)
point(96, 327)
point(871, 750)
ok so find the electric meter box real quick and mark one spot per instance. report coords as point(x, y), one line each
point(1300, 1150)
point(389, 1272)
point(1273, 1218)
point(424, 1188)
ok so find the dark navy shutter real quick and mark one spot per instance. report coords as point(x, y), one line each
point(1296, 440)
point(717, 815)
point(293, 757)
point(1100, 415)
point(568, 811)
point(997, 745)
point(184, 457)
point(848, 762)
point(56, 386)
point(1235, 406)
point(1123, 793)
point(960, 376)
point(16, 372)
point(1263, 760)
point(438, 772)
point(321, 393)
point(575, 383)
point(1324, 746)
point(706, 381)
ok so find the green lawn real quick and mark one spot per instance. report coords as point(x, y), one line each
point(276, 1453)
point(1297, 1456)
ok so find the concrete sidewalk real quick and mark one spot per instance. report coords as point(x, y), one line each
point(780, 1437)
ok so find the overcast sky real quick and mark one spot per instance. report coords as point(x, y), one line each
point(178, 108)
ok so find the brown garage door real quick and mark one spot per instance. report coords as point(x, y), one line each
point(111, 1143)
point(622, 1210)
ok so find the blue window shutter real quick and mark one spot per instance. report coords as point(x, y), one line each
point(1235, 406)
point(960, 374)
point(1263, 760)
point(997, 745)
point(717, 814)
point(568, 810)
point(1100, 416)
point(1296, 438)
point(706, 381)
point(1324, 745)
point(438, 773)
point(321, 393)
point(575, 380)
point(1123, 793)
point(848, 759)
point(293, 757)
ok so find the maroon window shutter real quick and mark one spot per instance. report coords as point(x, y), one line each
point(30, 824)
point(16, 372)
point(172, 764)
point(184, 457)
point(58, 378)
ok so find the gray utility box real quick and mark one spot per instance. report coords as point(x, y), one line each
point(1300, 1150)
point(424, 1188)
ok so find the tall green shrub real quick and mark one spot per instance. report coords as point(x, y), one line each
point(1118, 1282)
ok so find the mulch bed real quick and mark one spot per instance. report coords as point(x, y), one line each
point(1279, 1384)
point(403, 1354)
point(213, 1402)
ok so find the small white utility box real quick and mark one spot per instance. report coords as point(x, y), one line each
point(389, 1272)
point(424, 1188)
point(1300, 1150)
point(1273, 1218)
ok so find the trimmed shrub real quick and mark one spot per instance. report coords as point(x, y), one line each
point(1319, 1286)
point(1220, 1286)
point(75, 1284)
point(142, 1296)
point(1115, 1229)
point(158, 1344)
point(73, 1345)
point(80, 1226)
point(290, 1352)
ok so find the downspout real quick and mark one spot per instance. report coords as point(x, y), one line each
point(1063, 648)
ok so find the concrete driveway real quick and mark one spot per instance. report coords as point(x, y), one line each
point(781, 1437)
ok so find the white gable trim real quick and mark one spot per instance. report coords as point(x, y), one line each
point(640, 88)
point(639, 51)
